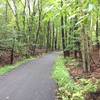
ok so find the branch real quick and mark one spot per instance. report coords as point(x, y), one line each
point(10, 7)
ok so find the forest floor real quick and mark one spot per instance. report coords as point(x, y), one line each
point(77, 72)
point(31, 81)
point(95, 67)
point(5, 57)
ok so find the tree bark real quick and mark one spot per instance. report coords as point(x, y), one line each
point(39, 23)
point(97, 32)
point(53, 37)
point(62, 31)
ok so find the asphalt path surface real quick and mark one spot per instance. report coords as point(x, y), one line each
point(30, 81)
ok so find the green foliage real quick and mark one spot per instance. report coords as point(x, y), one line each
point(26, 16)
point(68, 89)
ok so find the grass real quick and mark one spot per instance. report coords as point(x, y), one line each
point(8, 68)
point(68, 88)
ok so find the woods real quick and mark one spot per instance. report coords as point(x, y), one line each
point(72, 26)
point(80, 27)
point(25, 26)
point(29, 28)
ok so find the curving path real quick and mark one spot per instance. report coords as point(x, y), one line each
point(31, 81)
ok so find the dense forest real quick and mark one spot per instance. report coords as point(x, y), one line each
point(27, 25)
point(51, 25)
point(31, 27)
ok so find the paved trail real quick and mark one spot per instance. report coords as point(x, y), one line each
point(31, 81)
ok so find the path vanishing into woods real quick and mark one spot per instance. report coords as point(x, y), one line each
point(31, 81)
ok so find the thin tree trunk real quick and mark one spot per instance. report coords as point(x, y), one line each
point(97, 31)
point(62, 31)
point(48, 36)
point(83, 49)
point(53, 37)
point(63, 35)
point(56, 32)
point(39, 24)
point(12, 52)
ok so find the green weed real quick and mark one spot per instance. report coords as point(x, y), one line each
point(68, 88)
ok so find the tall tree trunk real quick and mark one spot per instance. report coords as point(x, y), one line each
point(48, 36)
point(39, 24)
point(85, 51)
point(56, 32)
point(62, 31)
point(53, 37)
point(97, 32)
point(12, 51)
point(6, 18)
point(67, 52)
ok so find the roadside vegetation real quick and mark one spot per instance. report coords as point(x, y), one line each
point(7, 68)
point(68, 87)
point(80, 28)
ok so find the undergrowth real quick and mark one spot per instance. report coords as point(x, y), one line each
point(68, 88)
point(8, 68)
